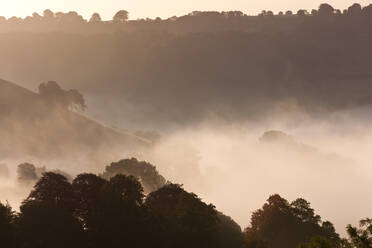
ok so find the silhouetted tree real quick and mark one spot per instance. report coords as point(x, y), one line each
point(325, 10)
point(48, 14)
point(318, 242)
point(183, 220)
point(302, 12)
point(122, 214)
point(56, 96)
point(46, 218)
point(361, 237)
point(7, 230)
point(279, 224)
point(288, 13)
point(355, 10)
point(121, 16)
point(95, 18)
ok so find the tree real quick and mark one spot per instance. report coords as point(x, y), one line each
point(26, 174)
point(7, 230)
point(361, 237)
point(229, 233)
point(95, 18)
point(325, 10)
point(121, 16)
point(279, 224)
point(317, 242)
point(355, 10)
point(302, 12)
point(88, 190)
point(49, 208)
point(145, 172)
point(122, 215)
point(55, 96)
point(288, 13)
point(48, 14)
point(181, 218)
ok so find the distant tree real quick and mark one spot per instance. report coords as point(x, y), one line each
point(71, 17)
point(7, 230)
point(367, 11)
point(288, 13)
point(121, 16)
point(325, 10)
point(302, 12)
point(2, 19)
point(48, 14)
point(36, 16)
point(145, 172)
point(26, 174)
point(338, 12)
point(95, 18)
point(314, 12)
point(355, 10)
point(183, 219)
point(58, 97)
point(280, 13)
point(361, 237)
point(270, 13)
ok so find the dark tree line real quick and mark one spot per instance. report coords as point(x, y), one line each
point(95, 212)
point(207, 20)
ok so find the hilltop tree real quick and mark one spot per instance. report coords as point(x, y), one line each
point(95, 18)
point(355, 10)
point(48, 14)
point(121, 16)
point(325, 10)
point(58, 97)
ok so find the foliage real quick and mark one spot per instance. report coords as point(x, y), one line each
point(282, 224)
point(145, 172)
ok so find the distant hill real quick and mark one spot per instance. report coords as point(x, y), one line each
point(30, 128)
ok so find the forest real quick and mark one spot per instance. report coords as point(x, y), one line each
point(114, 210)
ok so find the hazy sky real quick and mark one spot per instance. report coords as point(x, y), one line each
point(162, 8)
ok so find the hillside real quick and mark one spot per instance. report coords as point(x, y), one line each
point(31, 128)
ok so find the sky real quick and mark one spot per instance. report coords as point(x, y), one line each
point(161, 8)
